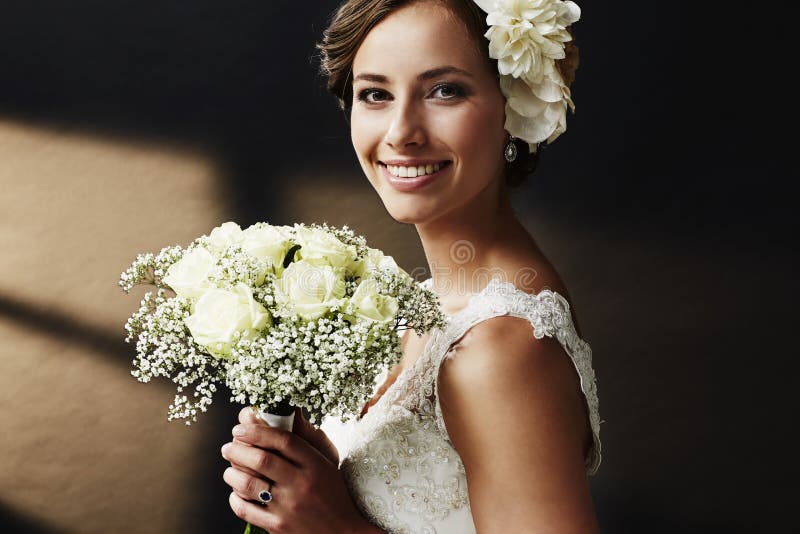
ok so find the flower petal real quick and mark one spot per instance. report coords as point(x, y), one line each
point(572, 12)
point(520, 97)
point(547, 90)
point(531, 131)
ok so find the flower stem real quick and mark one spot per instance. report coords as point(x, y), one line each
point(251, 529)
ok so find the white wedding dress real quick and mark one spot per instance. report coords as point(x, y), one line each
point(402, 470)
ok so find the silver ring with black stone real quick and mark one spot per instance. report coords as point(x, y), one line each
point(265, 495)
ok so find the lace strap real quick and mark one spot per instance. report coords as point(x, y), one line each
point(549, 314)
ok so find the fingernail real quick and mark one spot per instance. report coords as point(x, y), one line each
point(239, 430)
point(225, 450)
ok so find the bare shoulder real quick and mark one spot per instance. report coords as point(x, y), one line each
point(514, 411)
point(506, 348)
point(501, 359)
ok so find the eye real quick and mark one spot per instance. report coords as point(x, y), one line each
point(372, 96)
point(448, 91)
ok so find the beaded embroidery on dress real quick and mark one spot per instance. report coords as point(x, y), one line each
point(401, 468)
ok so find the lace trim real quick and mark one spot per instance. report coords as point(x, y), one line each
point(549, 313)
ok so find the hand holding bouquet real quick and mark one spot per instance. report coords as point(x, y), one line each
point(285, 316)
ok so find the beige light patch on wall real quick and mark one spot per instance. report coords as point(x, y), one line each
point(85, 447)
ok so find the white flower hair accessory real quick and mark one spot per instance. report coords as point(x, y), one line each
point(526, 37)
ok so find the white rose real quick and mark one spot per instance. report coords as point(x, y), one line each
point(310, 290)
point(268, 243)
point(376, 259)
point(188, 277)
point(322, 248)
point(370, 304)
point(225, 235)
point(219, 314)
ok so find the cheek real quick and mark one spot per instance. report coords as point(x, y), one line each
point(365, 136)
point(475, 134)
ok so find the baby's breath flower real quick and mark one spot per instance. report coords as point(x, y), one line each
point(325, 362)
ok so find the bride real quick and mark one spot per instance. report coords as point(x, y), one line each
point(482, 426)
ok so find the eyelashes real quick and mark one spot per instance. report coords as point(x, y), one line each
point(457, 90)
point(366, 94)
point(376, 96)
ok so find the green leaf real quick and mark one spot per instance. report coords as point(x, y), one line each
point(289, 258)
point(250, 529)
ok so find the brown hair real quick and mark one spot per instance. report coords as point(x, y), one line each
point(354, 19)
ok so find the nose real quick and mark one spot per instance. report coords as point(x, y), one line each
point(406, 128)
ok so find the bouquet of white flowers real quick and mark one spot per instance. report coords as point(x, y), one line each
point(285, 316)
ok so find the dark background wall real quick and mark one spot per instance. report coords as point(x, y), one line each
point(668, 206)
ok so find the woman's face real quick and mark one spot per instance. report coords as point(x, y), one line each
point(424, 98)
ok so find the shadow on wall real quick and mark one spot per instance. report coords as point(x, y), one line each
point(641, 517)
point(12, 522)
point(67, 328)
point(235, 80)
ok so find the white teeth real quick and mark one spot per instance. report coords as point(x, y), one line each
point(413, 172)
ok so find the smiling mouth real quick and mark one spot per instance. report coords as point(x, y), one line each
point(402, 171)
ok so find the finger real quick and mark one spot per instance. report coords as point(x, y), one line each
point(315, 437)
point(242, 467)
point(257, 515)
point(245, 469)
point(246, 486)
point(262, 462)
point(247, 416)
point(288, 445)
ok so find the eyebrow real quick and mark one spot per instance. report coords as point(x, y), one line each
point(427, 75)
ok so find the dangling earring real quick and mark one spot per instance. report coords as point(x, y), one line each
point(510, 151)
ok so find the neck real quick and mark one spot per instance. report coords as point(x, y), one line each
point(469, 245)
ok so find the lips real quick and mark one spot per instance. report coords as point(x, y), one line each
point(412, 169)
point(418, 181)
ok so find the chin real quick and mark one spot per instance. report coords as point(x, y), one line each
point(414, 208)
point(406, 213)
point(406, 217)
